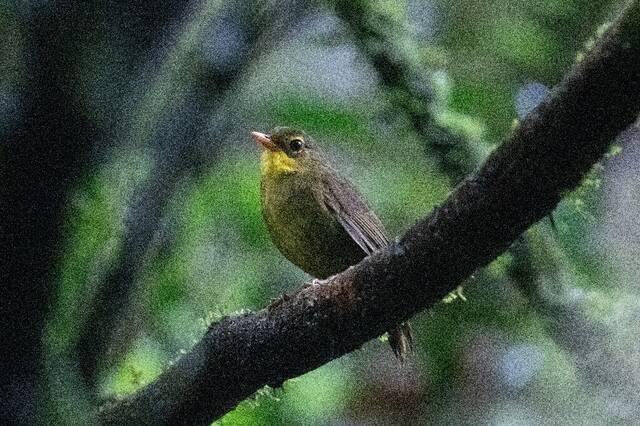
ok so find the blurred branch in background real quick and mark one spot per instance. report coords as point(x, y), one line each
point(214, 50)
point(520, 183)
point(387, 43)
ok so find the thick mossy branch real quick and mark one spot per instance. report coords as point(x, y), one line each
point(520, 183)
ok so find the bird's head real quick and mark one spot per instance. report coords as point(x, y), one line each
point(286, 150)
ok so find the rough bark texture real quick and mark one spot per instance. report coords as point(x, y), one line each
point(520, 183)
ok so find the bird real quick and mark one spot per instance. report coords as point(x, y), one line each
point(315, 216)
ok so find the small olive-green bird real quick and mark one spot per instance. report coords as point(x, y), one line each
point(316, 217)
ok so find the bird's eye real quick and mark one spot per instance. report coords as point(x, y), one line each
point(296, 145)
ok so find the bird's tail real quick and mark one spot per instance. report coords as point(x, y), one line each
point(401, 340)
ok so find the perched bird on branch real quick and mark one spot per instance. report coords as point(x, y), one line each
point(317, 218)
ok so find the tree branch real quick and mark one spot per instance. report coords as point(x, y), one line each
point(520, 183)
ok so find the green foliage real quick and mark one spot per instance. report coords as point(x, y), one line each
point(478, 99)
point(94, 230)
point(320, 117)
point(319, 394)
point(144, 362)
point(523, 42)
point(493, 47)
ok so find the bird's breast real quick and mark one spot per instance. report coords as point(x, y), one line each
point(302, 228)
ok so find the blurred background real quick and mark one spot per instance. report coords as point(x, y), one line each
point(162, 231)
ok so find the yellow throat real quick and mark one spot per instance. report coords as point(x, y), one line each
point(276, 162)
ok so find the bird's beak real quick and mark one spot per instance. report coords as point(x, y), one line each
point(264, 140)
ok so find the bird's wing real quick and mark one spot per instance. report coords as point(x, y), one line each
point(346, 204)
